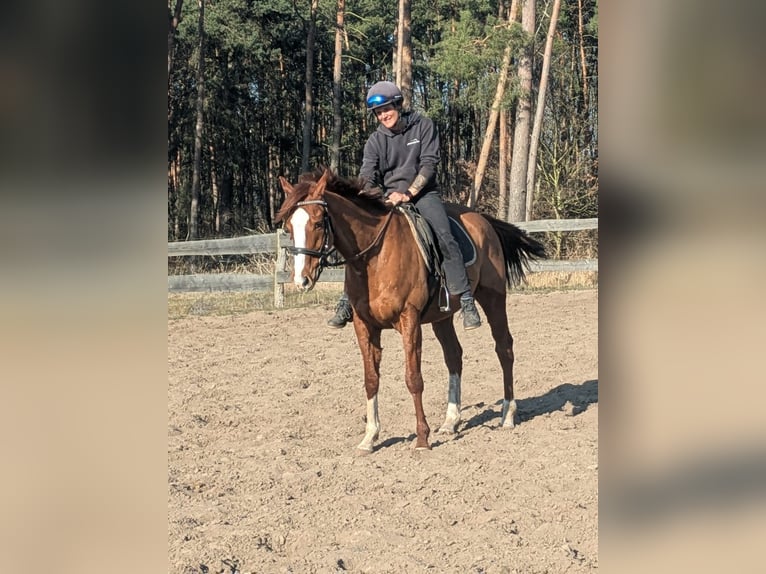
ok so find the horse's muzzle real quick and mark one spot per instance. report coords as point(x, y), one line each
point(305, 284)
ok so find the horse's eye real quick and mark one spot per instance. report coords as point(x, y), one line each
point(318, 225)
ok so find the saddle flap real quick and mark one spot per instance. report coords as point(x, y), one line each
point(428, 244)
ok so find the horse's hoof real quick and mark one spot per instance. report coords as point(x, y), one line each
point(362, 451)
point(447, 430)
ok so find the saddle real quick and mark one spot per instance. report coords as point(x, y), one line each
point(429, 249)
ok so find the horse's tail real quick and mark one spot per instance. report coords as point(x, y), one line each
point(518, 248)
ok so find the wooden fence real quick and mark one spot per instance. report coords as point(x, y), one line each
point(275, 243)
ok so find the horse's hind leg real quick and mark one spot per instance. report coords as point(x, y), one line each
point(453, 358)
point(493, 304)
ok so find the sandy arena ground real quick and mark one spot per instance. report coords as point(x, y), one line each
point(265, 411)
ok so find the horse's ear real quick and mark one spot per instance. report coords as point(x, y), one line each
point(286, 186)
point(317, 190)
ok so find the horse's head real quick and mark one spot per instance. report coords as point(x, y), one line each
point(305, 215)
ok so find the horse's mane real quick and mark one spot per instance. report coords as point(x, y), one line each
point(351, 188)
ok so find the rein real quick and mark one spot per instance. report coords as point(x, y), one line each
point(378, 237)
point(328, 256)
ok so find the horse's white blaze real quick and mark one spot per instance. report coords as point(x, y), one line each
point(508, 414)
point(373, 425)
point(298, 221)
point(453, 405)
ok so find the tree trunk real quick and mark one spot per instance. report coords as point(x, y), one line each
point(455, 123)
point(337, 124)
point(225, 213)
point(403, 65)
point(489, 134)
point(174, 18)
point(518, 196)
point(214, 189)
point(537, 126)
point(309, 97)
point(174, 21)
point(582, 56)
point(502, 164)
point(504, 149)
point(174, 196)
point(197, 169)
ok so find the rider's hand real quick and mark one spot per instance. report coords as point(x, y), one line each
point(397, 197)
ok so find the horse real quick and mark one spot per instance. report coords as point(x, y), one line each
point(389, 285)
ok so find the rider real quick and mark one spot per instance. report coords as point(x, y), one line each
point(401, 157)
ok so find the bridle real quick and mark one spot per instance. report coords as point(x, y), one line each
point(328, 256)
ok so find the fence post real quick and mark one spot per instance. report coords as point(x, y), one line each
point(279, 288)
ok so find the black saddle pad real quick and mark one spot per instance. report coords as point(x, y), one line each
point(467, 248)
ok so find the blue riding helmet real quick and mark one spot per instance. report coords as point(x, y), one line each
point(383, 93)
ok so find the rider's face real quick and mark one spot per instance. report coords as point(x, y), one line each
point(387, 115)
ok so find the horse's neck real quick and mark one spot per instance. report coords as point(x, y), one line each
point(355, 228)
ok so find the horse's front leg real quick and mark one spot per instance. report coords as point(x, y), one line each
point(412, 337)
point(453, 358)
point(368, 339)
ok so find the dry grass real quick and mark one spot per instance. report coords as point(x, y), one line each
point(557, 280)
point(255, 263)
point(326, 294)
point(238, 302)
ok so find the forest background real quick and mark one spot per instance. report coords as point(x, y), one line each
point(258, 89)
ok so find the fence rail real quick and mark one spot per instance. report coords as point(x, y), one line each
point(275, 243)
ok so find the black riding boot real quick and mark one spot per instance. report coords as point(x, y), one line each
point(343, 314)
point(471, 319)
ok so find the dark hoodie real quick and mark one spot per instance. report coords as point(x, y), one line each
point(392, 159)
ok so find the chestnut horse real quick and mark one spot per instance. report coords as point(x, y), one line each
point(388, 283)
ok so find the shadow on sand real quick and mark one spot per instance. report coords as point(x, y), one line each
point(579, 396)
